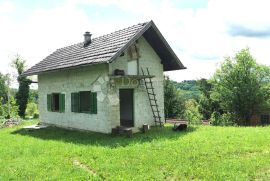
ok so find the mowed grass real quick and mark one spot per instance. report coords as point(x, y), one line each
point(201, 153)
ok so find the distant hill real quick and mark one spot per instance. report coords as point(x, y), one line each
point(189, 88)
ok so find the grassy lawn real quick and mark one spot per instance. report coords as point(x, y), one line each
point(202, 153)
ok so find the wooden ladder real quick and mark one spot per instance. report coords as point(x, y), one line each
point(152, 96)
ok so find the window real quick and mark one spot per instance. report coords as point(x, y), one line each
point(56, 102)
point(84, 102)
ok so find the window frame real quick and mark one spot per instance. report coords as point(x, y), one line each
point(76, 102)
point(51, 102)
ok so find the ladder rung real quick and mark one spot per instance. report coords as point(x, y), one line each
point(154, 105)
point(152, 94)
point(153, 100)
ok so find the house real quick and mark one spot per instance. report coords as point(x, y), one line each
point(105, 82)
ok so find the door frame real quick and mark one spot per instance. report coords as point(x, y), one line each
point(133, 106)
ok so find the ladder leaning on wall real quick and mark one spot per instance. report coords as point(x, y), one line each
point(152, 96)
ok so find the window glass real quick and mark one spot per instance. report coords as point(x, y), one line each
point(55, 102)
point(85, 101)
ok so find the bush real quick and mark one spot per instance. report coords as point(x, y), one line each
point(226, 119)
point(4, 109)
point(32, 110)
point(192, 113)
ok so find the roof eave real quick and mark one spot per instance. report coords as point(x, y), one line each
point(60, 69)
point(177, 60)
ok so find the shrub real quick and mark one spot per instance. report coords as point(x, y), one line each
point(226, 119)
point(192, 113)
point(4, 109)
point(32, 110)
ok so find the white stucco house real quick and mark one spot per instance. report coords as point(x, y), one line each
point(102, 83)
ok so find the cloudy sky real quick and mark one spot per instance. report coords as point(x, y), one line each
point(201, 32)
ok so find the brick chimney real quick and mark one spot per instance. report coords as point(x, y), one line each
point(87, 39)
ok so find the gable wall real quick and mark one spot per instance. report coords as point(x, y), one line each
point(75, 80)
point(143, 113)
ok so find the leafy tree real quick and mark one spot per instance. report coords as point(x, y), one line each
point(188, 88)
point(3, 88)
point(173, 101)
point(242, 86)
point(23, 92)
point(208, 105)
point(33, 96)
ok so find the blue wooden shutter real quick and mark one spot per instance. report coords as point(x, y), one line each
point(62, 103)
point(75, 102)
point(93, 102)
point(49, 102)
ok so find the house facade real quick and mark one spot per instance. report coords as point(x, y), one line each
point(100, 84)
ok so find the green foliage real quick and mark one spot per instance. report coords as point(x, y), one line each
point(204, 153)
point(23, 92)
point(192, 113)
point(241, 86)
point(32, 110)
point(225, 119)
point(188, 89)
point(3, 87)
point(173, 100)
point(4, 113)
point(22, 95)
point(208, 105)
point(19, 64)
point(33, 96)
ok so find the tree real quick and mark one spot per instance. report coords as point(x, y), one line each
point(3, 88)
point(242, 86)
point(208, 105)
point(23, 92)
point(173, 100)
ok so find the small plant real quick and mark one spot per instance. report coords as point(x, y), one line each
point(226, 119)
point(32, 110)
point(192, 113)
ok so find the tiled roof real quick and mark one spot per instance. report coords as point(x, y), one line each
point(103, 49)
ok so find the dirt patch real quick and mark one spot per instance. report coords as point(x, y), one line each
point(84, 167)
point(263, 174)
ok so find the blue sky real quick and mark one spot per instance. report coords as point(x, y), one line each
point(201, 32)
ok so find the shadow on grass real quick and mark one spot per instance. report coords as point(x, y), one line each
point(99, 139)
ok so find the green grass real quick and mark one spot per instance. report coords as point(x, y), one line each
point(202, 153)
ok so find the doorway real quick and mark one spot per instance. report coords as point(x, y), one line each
point(126, 107)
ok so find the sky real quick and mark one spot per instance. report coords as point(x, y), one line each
point(200, 32)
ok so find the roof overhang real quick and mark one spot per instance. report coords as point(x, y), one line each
point(153, 36)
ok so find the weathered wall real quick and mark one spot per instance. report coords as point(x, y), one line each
point(95, 78)
point(75, 80)
point(142, 110)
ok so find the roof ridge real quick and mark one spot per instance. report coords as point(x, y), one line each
point(121, 30)
point(103, 36)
